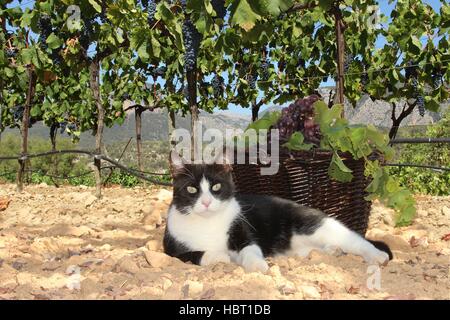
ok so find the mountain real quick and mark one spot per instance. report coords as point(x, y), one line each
point(154, 126)
point(378, 112)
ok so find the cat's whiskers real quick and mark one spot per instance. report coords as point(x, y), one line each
point(241, 216)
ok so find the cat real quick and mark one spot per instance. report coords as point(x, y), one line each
point(208, 222)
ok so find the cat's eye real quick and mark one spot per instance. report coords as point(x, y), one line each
point(216, 187)
point(191, 189)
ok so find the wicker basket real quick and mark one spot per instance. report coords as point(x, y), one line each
point(303, 177)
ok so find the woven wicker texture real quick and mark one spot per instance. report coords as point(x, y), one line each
point(303, 177)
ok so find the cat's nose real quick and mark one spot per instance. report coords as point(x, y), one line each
point(206, 202)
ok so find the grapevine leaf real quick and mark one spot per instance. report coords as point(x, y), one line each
point(243, 15)
point(143, 53)
point(53, 41)
point(95, 5)
point(296, 142)
point(271, 7)
point(267, 121)
point(338, 170)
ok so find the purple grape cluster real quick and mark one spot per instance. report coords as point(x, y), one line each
point(217, 83)
point(151, 10)
point(192, 39)
point(11, 52)
point(349, 57)
point(265, 65)
point(18, 112)
point(421, 105)
point(437, 79)
point(159, 72)
point(45, 29)
point(299, 116)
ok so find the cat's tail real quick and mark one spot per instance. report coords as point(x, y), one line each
point(380, 245)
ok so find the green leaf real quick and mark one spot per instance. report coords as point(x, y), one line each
point(296, 142)
point(53, 41)
point(265, 122)
point(338, 170)
point(156, 47)
point(325, 4)
point(415, 45)
point(96, 5)
point(143, 53)
point(327, 118)
point(243, 15)
point(270, 7)
point(28, 54)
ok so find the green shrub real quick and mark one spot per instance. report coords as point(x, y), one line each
point(422, 180)
point(73, 166)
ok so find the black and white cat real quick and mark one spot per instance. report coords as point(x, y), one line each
point(208, 223)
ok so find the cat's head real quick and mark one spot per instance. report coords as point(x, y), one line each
point(204, 189)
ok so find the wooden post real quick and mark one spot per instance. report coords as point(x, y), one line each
point(53, 133)
point(192, 89)
point(171, 119)
point(94, 69)
point(255, 111)
point(138, 119)
point(340, 42)
point(25, 125)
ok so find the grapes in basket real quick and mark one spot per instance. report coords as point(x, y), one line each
point(299, 117)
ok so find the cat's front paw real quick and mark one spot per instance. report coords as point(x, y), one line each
point(253, 263)
point(213, 257)
point(377, 257)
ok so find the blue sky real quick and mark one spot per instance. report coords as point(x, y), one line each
point(385, 8)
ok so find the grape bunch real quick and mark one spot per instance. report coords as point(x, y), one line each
point(126, 96)
point(191, 39)
point(151, 10)
point(45, 29)
point(347, 61)
point(265, 65)
point(437, 79)
point(183, 4)
point(251, 79)
point(299, 116)
point(217, 84)
point(18, 112)
point(11, 52)
point(219, 8)
point(72, 127)
point(421, 105)
point(62, 127)
point(159, 72)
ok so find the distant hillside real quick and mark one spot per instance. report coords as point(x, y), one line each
point(379, 112)
point(154, 126)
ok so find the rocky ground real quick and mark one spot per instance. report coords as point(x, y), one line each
point(63, 244)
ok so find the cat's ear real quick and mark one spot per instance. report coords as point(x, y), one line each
point(177, 163)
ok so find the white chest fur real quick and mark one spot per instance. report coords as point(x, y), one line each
point(201, 233)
